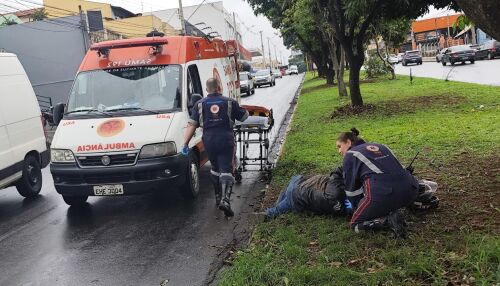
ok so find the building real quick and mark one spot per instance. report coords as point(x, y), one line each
point(115, 19)
point(209, 17)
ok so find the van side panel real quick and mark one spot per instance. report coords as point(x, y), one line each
point(6, 159)
point(20, 111)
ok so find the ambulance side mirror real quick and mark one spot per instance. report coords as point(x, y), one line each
point(194, 99)
point(58, 113)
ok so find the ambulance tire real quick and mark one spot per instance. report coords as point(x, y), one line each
point(30, 184)
point(191, 186)
point(75, 200)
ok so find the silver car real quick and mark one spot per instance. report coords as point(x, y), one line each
point(264, 77)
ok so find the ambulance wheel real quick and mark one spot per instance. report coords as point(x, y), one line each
point(75, 200)
point(191, 186)
point(30, 183)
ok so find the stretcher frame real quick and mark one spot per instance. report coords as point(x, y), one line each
point(254, 132)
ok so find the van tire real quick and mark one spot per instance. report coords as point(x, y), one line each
point(191, 186)
point(75, 200)
point(30, 184)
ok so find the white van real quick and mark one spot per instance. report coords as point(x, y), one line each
point(122, 130)
point(23, 147)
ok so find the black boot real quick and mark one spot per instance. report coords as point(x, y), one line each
point(371, 225)
point(225, 205)
point(217, 189)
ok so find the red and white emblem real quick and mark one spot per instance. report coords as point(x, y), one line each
point(214, 108)
point(372, 148)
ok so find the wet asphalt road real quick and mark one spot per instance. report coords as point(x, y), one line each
point(140, 240)
point(482, 72)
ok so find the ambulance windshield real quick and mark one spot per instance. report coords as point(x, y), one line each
point(133, 89)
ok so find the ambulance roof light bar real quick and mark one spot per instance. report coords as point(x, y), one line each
point(104, 48)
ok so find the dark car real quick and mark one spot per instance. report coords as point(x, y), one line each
point(412, 57)
point(462, 53)
point(489, 50)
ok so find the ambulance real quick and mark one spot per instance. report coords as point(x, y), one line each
point(122, 129)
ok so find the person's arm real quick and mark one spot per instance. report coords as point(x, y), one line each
point(192, 125)
point(188, 134)
point(335, 189)
point(239, 113)
point(353, 189)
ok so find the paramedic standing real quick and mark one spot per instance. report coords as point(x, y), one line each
point(376, 184)
point(216, 114)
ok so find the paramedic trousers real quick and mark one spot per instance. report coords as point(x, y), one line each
point(384, 193)
point(285, 201)
point(221, 149)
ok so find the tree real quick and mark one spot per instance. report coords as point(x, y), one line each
point(39, 15)
point(484, 13)
point(393, 33)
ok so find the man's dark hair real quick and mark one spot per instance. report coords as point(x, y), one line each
point(212, 85)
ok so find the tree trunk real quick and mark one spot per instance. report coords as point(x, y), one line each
point(484, 13)
point(340, 74)
point(330, 74)
point(354, 89)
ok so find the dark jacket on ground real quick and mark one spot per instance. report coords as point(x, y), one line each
point(321, 194)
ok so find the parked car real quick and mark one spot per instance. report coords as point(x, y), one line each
point(456, 54)
point(400, 57)
point(23, 145)
point(277, 74)
point(488, 50)
point(412, 57)
point(293, 69)
point(439, 55)
point(264, 77)
point(247, 86)
point(392, 59)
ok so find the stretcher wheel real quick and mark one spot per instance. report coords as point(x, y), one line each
point(238, 177)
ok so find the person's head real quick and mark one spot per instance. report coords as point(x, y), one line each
point(346, 140)
point(212, 85)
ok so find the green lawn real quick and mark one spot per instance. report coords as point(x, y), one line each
point(457, 124)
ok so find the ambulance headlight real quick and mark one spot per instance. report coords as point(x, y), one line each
point(158, 150)
point(61, 156)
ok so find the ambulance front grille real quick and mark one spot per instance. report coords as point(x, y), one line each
point(114, 160)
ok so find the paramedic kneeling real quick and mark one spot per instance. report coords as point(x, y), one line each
point(376, 184)
point(216, 115)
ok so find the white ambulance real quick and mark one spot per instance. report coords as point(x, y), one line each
point(122, 129)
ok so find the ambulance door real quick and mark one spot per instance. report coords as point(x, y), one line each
point(194, 86)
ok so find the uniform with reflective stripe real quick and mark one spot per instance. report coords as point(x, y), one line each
point(376, 182)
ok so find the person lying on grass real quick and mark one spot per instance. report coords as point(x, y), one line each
point(376, 184)
point(319, 194)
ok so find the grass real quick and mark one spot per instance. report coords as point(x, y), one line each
point(457, 126)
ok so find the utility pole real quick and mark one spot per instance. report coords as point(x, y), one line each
point(83, 24)
point(181, 18)
point(262, 45)
point(275, 54)
point(269, 49)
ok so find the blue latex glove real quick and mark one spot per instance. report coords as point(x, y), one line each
point(185, 150)
point(347, 204)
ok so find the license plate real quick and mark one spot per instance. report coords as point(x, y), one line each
point(108, 190)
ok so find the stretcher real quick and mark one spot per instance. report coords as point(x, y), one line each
point(254, 132)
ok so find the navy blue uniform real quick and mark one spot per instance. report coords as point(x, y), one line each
point(376, 183)
point(216, 114)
